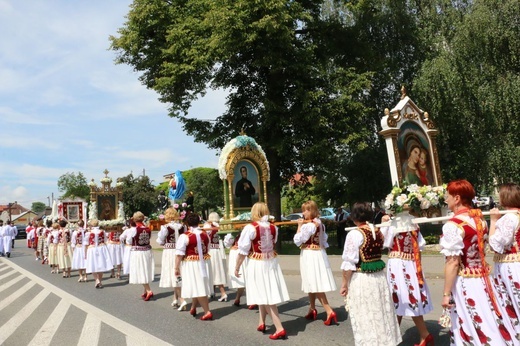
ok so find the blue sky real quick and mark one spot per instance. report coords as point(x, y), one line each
point(66, 107)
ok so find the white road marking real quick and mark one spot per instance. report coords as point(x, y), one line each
point(49, 328)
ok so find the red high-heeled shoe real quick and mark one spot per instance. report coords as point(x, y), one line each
point(278, 335)
point(148, 296)
point(331, 317)
point(312, 315)
point(143, 295)
point(193, 311)
point(261, 328)
point(252, 307)
point(207, 317)
point(428, 341)
point(236, 302)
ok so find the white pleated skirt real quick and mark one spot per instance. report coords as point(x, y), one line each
point(235, 282)
point(78, 258)
point(116, 253)
point(316, 272)
point(98, 259)
point(168, 278)
point(265, 283)
point(142, 266)
point(126, 259)
point(218, 268)
point(193, 283)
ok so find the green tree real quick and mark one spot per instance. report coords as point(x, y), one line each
point(287, 67)
point(472, 87)
point(38, 207)
point(207, 188)
point(73, 185)
point(139, 194)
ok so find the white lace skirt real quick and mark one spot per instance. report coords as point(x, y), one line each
point(265, 283)
point(116, 253)
point(64, 255)
point(98, 259)
point(507, 275)
point(193, 283)
point(78, 258)
point(235, 282)
point(371, 311)
point(142, 266)
point(218, 269)
point(316, 272)
point(409, 298)
point(168, 278)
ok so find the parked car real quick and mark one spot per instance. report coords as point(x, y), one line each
point(293, 217)
point(483, 202)
point(327, 214)
point(21, 232)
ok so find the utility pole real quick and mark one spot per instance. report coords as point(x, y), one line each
point(10, 206)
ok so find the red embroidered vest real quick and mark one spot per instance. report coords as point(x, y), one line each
point(515, 247)
point(470, 257)
point(315, 238)
point(79, 237)
point(100, 237)
point(192, 249)
point(114, 236)
point(403, 242)
point(263, 243)
point(371, 249)
point(142, 236)
point(213, 239)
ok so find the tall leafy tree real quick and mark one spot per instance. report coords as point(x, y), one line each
point(138, 195)
point(291, 81)
point(73, 185)
point(207, 188)
point(38, 207)
point(472, 88)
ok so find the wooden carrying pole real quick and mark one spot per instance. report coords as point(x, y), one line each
point(449, 217)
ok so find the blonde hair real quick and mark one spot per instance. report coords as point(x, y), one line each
point(138, 216)
point(312, 207)
point(213, 217)
point(93, 222)
point(55, 225)
point(259, 210)
point(171, 214)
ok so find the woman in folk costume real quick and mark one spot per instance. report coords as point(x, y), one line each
point(116, 252)
point(52, 243)
point(315, 268)
point(504, 239)
point(192, 253)
point(47, 230)
point(64, 249)
point(167, 237)
point(126, 247)
point(477, 318)
point(98, 259)
point(218, 275)
point(40, 234)
point(235, 282)
point(142, 263)
point(264, 279)
point(410, 293)
point(79, 243)
point(364, 283)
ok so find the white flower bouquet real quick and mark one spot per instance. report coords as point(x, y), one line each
point(415, 198)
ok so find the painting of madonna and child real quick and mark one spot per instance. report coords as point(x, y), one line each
point(414, 151)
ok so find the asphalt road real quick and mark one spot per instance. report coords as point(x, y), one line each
point(117, 315)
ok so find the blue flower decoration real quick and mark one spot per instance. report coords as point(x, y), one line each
point(243, 141)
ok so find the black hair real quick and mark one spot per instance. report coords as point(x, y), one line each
point(63, 223)
point(362, 212)
point(192, 220)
